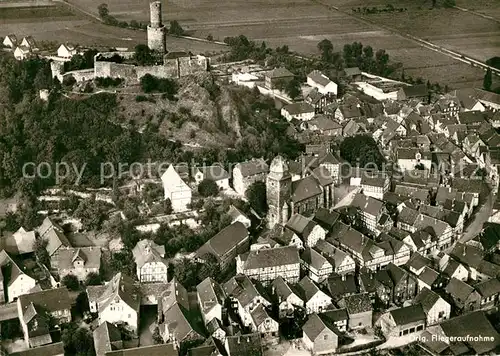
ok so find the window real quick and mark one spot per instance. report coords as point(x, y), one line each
point(325, 337)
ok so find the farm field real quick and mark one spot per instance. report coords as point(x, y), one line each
point(59, 24)
point(455, 29)
point(487, 7)
point(300, 24)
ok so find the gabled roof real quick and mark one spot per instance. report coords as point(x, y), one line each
point(210, 294)
point(215, 172)
point(279, 73)
point(91, 257)
point(270, 257)
point(428, 276)
point(172, 179)
point(467, 254)
point(305, 188)
point(259, 315)
point(488, 288)
point(313, 258)
point(333, 254)
point(175, 293)
point(415, 91)
point(319, 78)
point(314, 326)
point(154, 350)
point(107, 337)
point(339, 286)
point(358, 303)
point(50, 300)
point(459, 290)
point(122, 287)
point(247, 344)
point(307, 289)
point(367, 204)
point(326, 218)
point(178, 324)
point(241, 288)
point(146, 251)
point(281, 288)
point(490, 235)
point(225, 240)
point(53, 233)
point(427, 299)
point(472, 326)
point(252, 167)
point(301, 225)
point(298, 108)
point(408, 315)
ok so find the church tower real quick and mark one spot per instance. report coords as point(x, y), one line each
point(279, 192)
point(157, 33)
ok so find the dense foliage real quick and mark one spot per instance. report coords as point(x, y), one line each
point(257, 197)
point(362, 150)
point(152, 84)
point(77, 341)
point(351, 55)
point(208, 188)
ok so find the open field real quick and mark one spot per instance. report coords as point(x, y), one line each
point(487, 7)
point(34, 13)
point(300, 24)
point(60, 24)
point(465, 32)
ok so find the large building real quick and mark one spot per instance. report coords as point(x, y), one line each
point(286, 197)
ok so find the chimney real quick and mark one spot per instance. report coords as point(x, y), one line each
point(343, 277)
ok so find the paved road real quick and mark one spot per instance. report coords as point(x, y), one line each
point(479, 218)
point(421, 42)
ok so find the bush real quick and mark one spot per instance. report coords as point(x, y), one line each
point(210, 37)
point(69, 81)
point(141, 98)
point(175, 28)
point(93, 279)
point(208, 188)
point(150, 84)
point(71, 282)
point(106, 82)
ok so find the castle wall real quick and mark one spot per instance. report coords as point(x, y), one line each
point(81, 75)
point(172, 68)
point(191, 65)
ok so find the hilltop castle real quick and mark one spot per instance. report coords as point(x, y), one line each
point(170, 64)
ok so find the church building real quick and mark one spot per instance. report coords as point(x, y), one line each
point(303, 196)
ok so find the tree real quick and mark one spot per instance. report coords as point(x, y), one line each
point(257, 197)
point(11, 329)
point(92, 212)
point(103, 11)
point(41, 252)
point(449, 3)
point(362, 150)
point(157, 339)
point(175, 28)
point(186, 272)
point(71, 282)
point(93, 279)
point(326, 48)
point(208, 188)
point(292, 88)
point(77, 341)
point(167, 206)
point(488, 80)
point(143, 55)
point(210, 37)
point(122, 261)
point(82, 303)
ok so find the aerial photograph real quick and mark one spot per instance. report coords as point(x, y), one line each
point(249, 177)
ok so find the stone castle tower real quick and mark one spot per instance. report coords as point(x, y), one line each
point(279, 191)
point(157, 33)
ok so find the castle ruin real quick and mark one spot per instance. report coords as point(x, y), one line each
point(157, 33)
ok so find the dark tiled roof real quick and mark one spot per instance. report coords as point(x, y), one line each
point(46, 350)
point(473, 324)
point(415, 91)
point(252, 167)
point(225, 240)
point(272, 257)
point(155, 350)
point(313, 327)
point(326, 218)
point(407, 315)
point(468, 255)
point(279, 73)
point(488, 288)
point(427, 299)
point(358, 303)
point(305, 188)
point(248, 344)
